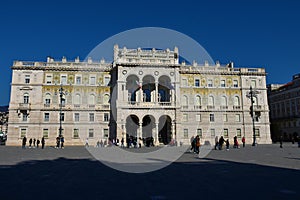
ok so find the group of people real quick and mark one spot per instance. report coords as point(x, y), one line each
point(33, 143)
point(195, 143)
point(60, 140)
point(220, 142)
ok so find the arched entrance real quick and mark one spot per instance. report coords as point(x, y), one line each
point(164, 125)
point(132, 86)
point(148, 130)
point(164, 87)
point(148, 89)
point(132, 126)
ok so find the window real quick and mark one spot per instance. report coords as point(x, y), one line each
point(235, 83)
point(225, 119)
point(211, 117)
point(257, 134)
point(62, 117)
point(106, 99)
point(184, 82)
point(236, 101)
point(184, 117)
point(185, 133)
point(199, 132)
point(92, 99)
point(198, 118)
point(210, 83)
point(46, 117)
point(223, 101)
point(48, 79)
point(184, 101)
point(211, 101)
point(48, 99)
point(91, 133)
point(105, 133)
point(198, 101)
point(106, 117)
point(25, 116)
point(78, 80)
point(26, 98)
point(63, 80)
point(238, 133)
point(197, 82)
point(23, 132)
point(45, 133)
point(225, 131)
point(212, 132)
point(223, 83)
point(27, 79)
point(77, 99)
point(106, 81)
point(76, 133)
point(237, 117)
point(92, 80)
point(76, 117)
point(253, 83)
point(91, 117)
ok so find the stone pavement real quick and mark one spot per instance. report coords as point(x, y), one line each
point(261, 172)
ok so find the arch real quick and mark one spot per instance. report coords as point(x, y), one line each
point(164, 87)
point(132, 126)
point(148, 129)
point(132, 86)
point(198, 100)
point(185, 101)
point(148, 88)
point(92, 99)
point(223, 101)
point(25, 97)
point(236, 101)
point(106, 99)
point(77, 99)
point(165, 132)
point(211, 101)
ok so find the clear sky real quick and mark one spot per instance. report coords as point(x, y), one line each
point(252, 33)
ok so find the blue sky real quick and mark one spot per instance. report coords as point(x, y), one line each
point(251, 33)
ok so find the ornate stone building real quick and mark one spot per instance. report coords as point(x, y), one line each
point(143, 93)
point(284, 101)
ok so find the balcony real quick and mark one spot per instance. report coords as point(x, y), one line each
point(223, 107)
point(210, 107)
point(257, 107)
point(197, 107)
point(236, 107)
point(24, 106)
point(149, 104)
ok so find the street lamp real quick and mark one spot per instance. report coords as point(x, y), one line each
point(252, 93)
point(61, 92)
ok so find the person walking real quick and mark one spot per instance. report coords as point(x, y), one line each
point(227, 144)
point(221, 142)
point(24, 142)
point(216, 143)
point(34, 140)
point(37, 143)
point(43, 142)
point(280, 141)
point(57, 142)
point(62, 141)
point(197, 144)
point(30, 142)
point(87, 142)
point(243, 141)
point(122, 142)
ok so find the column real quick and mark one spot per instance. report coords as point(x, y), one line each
point(173, 94)
point(141, 91)
point(156, 92)
point(140, 133)
point(173, 130)
point(156, 134)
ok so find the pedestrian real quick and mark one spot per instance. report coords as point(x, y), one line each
point(221, 142)
point(235, 142)
point(122, 142)
point(62, 141)
point(24, 142)
point(98, 144)
point(37, 143)
point(30, 142)
point(227, 144)
point(193, 144)
point(57, 142)
point(243, 141)
point(216, 143)
point(43, 142)
point(34, 140)
point(87, 142)
point(101, 143)
point(197, 144)
point(280, 141)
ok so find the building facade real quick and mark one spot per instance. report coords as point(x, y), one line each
point(143, 93)
point(284, 101)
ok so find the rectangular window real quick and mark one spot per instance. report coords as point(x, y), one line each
point(76, 133)
point(237, 117)
point(62, 117)
point(210, 83)
point(46, 117)
point(253, 83)
point(47, 101)
point(23, 132)
point(184, 117)
point(48, 79)
point(199, 132)
point(184, 82)
point(105, 133)
point(92, 80)
point(27, 79)
point(186, 133)
point(211, 117)
point(257, 134)
point(223, 83)
point(78, 80)
point(91, 117)
point(212, 132)
point(235, 83)
point(25, 117)
point(45, 133)
point(225, 131)
point(106, 81)
point(76, 117)
point(197, 82)
point(91, 133)
point(238, 133)
point(63, 80)
point(106, 117)
point(225, 119)
point(198, 118)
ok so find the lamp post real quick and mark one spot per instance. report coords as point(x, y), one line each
point(252, 93)
point(61, 92)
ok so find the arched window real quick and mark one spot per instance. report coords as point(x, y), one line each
point(92, 99)
point(197, 100)
point(211, 101)
point(236, 101)
point(26, 98)
point(223, 101)
point(77, 99)
point(47, 99)
point(184, 100)
point(106, 99)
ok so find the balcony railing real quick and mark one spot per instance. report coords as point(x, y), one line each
point(223, 107)
point(236, 107)
point(197, 107)
point(210, 107)
point(257, 107)
point(24, 106)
